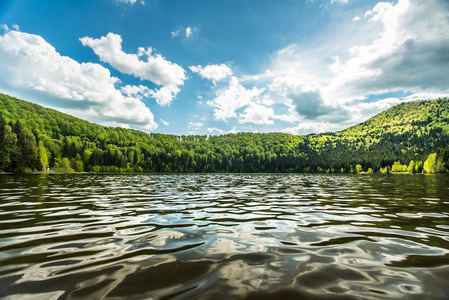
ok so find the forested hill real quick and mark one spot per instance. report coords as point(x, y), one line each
point(408, 137)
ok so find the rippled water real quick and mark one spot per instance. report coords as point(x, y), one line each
point(224, 236)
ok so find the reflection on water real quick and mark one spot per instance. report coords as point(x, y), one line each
point(224, 236)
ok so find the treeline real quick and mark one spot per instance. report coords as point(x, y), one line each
point(36, 138)
point(435, 163)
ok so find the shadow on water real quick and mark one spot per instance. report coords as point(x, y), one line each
point(222, 236)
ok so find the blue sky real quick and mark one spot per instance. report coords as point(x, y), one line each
point(213, 67)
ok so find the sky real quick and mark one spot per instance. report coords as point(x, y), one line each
point(214, 67)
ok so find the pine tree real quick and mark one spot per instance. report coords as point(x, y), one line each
point(8, 145)
point(26, 155)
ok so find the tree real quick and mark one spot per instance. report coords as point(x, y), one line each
point(397, 167)
point(65, 165)
point(26, 154)
point(404, 133)
point(430, 165)
point(42, 153)
point(419, 167)
point(411, 167)
point(8, 146)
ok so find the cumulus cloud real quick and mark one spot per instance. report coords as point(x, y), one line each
point(195, 125)
point(221, 131)
point(306, 98)
point(155, 68)
point(232, 98)
point(305, 127)
point(257, 114)
point(347, 115)
point(136, 91)
point(412, 53)
point(87, 90)
point(213, 72)
point(404, 49)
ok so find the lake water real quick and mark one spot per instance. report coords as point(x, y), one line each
point(224, 236)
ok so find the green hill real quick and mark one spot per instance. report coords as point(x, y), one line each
point(34, 138)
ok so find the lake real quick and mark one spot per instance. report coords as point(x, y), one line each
point(224, 236)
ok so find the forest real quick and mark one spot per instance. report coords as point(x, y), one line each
point(410, 137)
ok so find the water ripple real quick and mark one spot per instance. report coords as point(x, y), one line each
point(221, 236)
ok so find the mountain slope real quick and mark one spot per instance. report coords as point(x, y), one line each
point(33, 137)
point(406, 132)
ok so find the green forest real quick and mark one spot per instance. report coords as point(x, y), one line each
point(410, 137)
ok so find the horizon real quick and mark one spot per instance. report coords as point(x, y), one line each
point(201, 68)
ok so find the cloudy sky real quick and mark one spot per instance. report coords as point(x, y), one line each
point(213, 67)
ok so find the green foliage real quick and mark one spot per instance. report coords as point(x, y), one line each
point(8, 146)
point(400, 139)
point(430, 165)
point(385, 170)
point(397, 167)
point(419, 167)
point(411, 167)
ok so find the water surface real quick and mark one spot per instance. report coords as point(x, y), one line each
point(224, 236)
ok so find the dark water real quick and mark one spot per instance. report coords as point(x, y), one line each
point(224, 237)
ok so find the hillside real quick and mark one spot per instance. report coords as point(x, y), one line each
point(34, 138)
point(407, 132)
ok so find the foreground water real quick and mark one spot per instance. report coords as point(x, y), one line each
point(224, 236)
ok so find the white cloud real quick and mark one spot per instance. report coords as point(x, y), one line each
point(355, 19)
point(165, 123)
point(352, 115)
point(164, 95)
point(425, 96)
point(306, 127)
point(306, 98)
point(257, 114)
point(221, 131)
point(136, 91)
point(174, 34)
point(381, 9)
point(155, 69)
point(292, 61)
point(186, 33)
point(341, 1)
point(195, 125)
point(189, 32)
point(363, 111)
point(234, 97)
point(215, 129)
point(412, 53)
point(213, 72)
point(87, 90)
point(289, 118)
point(132, 2)
point(403, 48)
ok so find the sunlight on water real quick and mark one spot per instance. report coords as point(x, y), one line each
point(222, 236)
